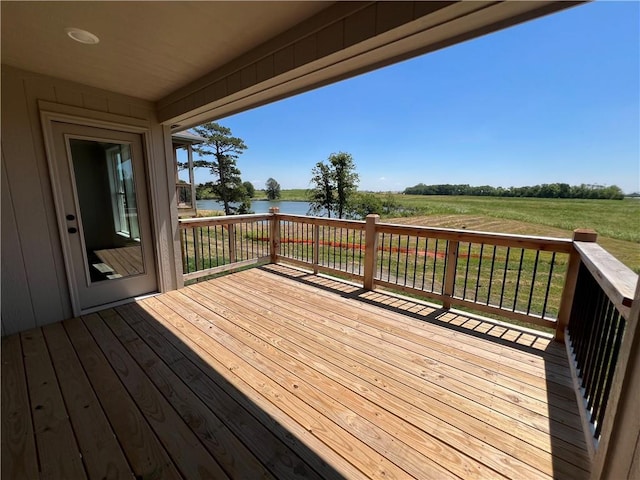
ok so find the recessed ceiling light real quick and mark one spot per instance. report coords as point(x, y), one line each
point(82, 36)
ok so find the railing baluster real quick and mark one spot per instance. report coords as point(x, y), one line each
point(493, 262)
point(435, 259)
point(186, 250)
point(475, 297)
point(533, 281)
point(515, 296)
point(466, 272)
point(504, 276)
point(549, 280)
point(424, 261)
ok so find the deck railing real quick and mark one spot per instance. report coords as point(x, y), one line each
point(515, 276)
point(602, 297)
point(216, 244)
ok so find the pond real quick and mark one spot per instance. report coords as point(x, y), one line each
point(261, 206)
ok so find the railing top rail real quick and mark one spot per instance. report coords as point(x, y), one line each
point(333, 222)
point(561, 245)
point(616, 279)
point(221, 220)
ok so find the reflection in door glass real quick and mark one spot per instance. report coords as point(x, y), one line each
point(108, 214)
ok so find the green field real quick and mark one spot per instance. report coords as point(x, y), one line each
point(294, 195)
point(616, 221)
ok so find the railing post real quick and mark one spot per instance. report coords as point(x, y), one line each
point(370, 251)
point(570, 280)
point(316, 248)
point(450, 273)
point(274, 233)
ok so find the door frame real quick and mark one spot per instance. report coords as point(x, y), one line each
point(52, 112)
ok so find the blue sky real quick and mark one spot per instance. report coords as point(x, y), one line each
point(552, 100)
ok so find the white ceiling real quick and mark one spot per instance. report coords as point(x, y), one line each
point(147, 49)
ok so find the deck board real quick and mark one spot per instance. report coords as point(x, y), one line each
point(19, 458)
point(101, 452)
point(275, 373)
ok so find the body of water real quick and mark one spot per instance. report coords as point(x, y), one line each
point(260, 206)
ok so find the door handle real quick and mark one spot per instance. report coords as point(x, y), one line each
point(72, 229)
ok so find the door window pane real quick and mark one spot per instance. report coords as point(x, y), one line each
point(108, 214)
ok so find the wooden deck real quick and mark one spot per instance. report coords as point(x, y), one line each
point(272, 373)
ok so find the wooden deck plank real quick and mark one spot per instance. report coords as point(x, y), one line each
point(188, 453)
point(359, 454)
point(241, 290)
point(407, 446)
point(185, 338)
point(58, 453)
point(276, 373)
point(19, 458)
point(530, 384)
point(249, 424)
point(317, 338)
point(518, 359)
point(302, 351)
point(101, 452)
point(433, 353)
point(232, 455)
point(146, 455)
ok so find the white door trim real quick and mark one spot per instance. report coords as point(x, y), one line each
point(52, 112)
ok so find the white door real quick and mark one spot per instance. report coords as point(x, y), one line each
point(102, 180)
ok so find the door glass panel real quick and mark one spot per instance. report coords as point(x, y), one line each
point(105, 186)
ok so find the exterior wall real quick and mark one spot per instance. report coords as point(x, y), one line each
point(34, 284)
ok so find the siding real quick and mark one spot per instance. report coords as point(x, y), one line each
point(34, 284)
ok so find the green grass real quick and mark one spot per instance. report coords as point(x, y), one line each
point(618, 219)
point(294, 195)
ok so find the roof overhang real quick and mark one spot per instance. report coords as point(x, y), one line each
point(200, 61)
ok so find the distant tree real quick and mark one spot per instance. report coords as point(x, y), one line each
point(345, 177)
point(333, 183)
point(547, 190)
point(362, 204)
point(321, 195)
point(249, 188)
point(225, 149)
point(272, 189)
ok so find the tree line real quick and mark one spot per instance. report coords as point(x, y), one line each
point(546, 190)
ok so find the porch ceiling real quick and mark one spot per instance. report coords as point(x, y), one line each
point(204, 60)
point(146, 49)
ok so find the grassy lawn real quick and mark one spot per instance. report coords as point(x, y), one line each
point(619, 219)
point(294, 195)
point(616, 221)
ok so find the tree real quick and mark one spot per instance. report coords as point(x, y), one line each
point(225, 149)
point(272, 189)
point(321, 196)
point(333, 184)
point(250, 189)
point(346, 179)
